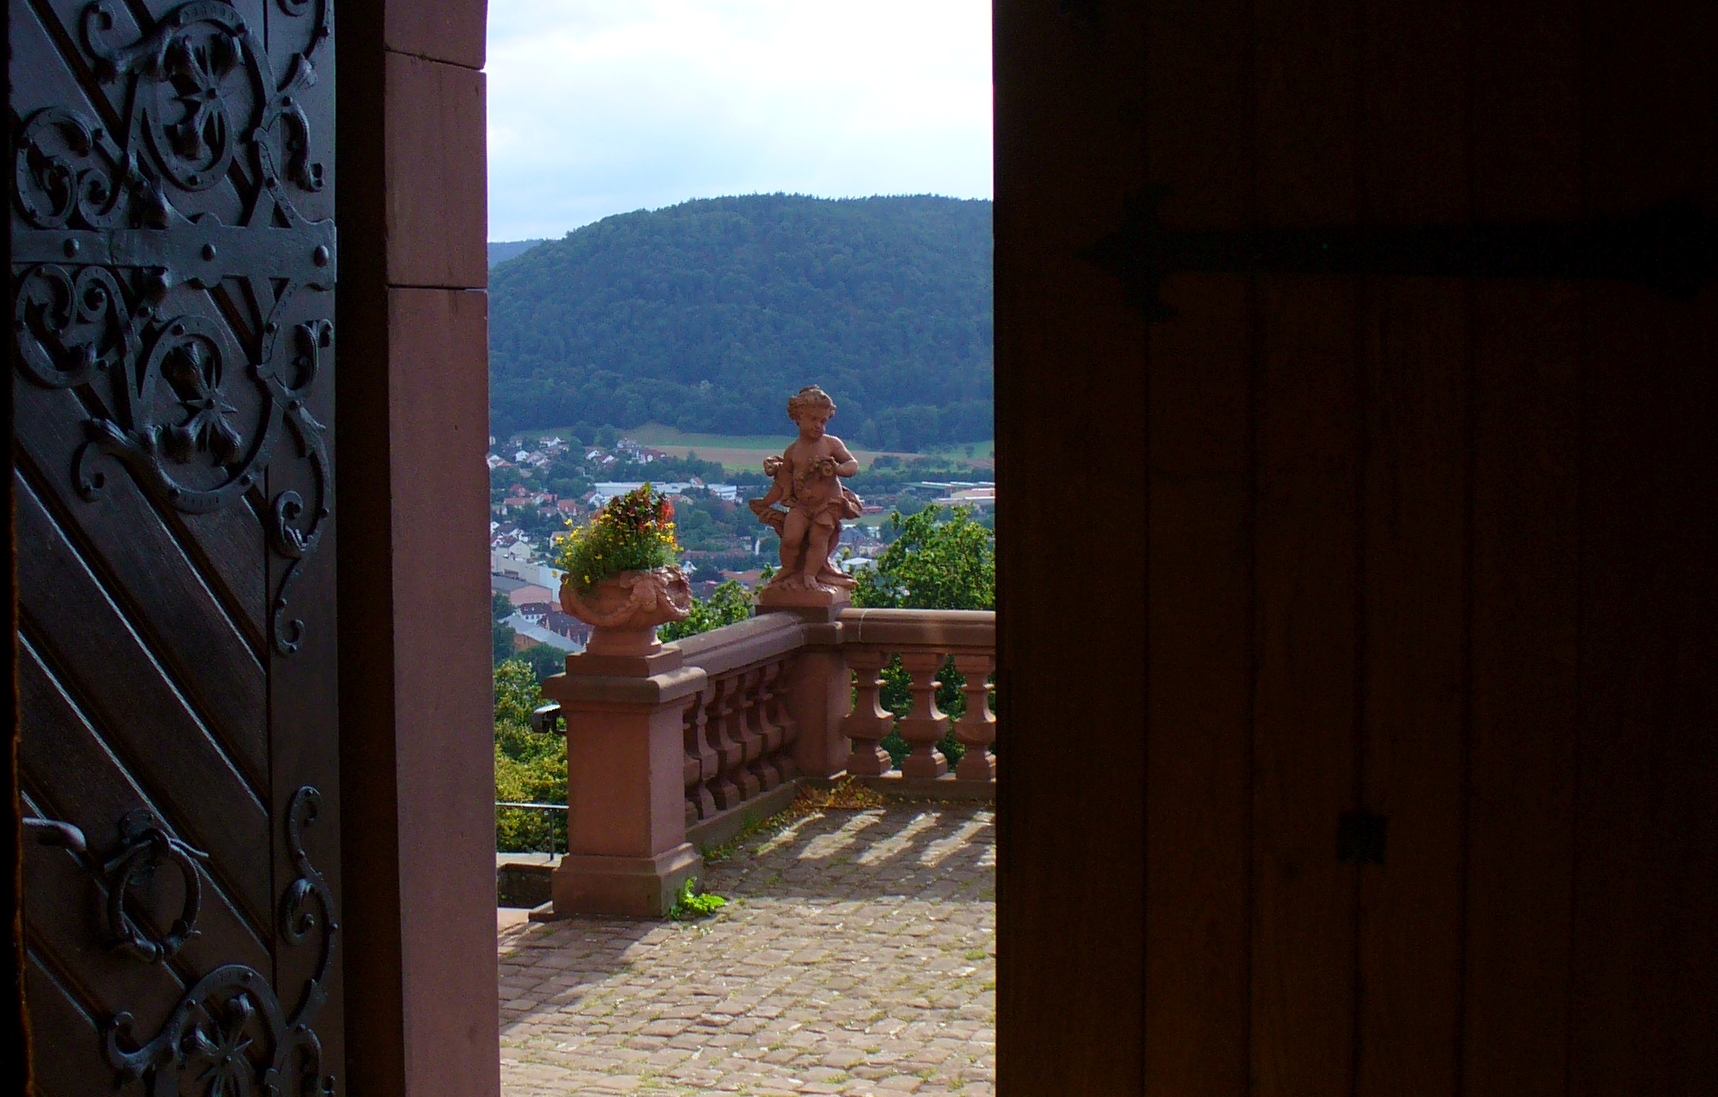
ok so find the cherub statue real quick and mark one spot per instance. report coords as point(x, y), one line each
point(807, 501)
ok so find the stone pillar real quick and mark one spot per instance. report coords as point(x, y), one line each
point(818, 693)
point(626, 815)
point(417, 929)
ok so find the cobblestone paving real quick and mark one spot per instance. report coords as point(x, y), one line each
point(857, 955)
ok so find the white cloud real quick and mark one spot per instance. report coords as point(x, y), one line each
point(602, 107)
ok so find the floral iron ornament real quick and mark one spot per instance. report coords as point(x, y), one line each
point(130, 302)
point(230, 1035)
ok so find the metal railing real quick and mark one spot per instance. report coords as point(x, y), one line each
point(549, 817)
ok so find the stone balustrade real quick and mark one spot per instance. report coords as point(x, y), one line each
point(680, 750)
point(926, 641)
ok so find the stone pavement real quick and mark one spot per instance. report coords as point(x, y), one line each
point(857, 955)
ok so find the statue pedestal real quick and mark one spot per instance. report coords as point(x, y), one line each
point(813, 605)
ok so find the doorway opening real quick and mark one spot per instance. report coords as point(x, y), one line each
point(763, 853)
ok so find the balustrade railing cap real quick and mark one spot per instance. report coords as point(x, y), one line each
point(597, 689)
point(750, 641)
point(945, 629)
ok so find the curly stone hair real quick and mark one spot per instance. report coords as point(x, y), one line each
point(809, 397)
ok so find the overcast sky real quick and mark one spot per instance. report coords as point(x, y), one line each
point(603, 106)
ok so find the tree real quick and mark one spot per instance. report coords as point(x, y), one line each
point(530, 766)
point(544, 660)
point(501, 634)
point(727, 604)
point(705, 315)
point(932, 564)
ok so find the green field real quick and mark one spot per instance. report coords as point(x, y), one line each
point(746, 451)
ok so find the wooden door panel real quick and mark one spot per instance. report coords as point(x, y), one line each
point(73, 776)
point(1524, 640)
point(1413, 515)
point(1304, 697)
point(63, 1035)
point(136, 551)
point(173, 267)
point(64, 614)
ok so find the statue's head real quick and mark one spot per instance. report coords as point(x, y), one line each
point(809, 398)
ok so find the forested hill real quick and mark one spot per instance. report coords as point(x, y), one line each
point(707, 315)
point(502, 250)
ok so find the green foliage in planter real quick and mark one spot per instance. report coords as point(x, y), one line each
point(632, 532)
point(728, 603)
point(529, 767)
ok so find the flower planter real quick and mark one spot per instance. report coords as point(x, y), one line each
point(624, 609)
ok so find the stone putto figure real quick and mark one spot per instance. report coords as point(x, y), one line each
point(807, 500)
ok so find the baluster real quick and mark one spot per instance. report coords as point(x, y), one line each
point(758, 730)
point(782, 720)
point(924, 724)
point(869, 721)
point(700, 761)
point(729, 753)
point(734, 727)
point(976, 729)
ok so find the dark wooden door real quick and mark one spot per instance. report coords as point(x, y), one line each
point(173, 268)
point(1410, 313)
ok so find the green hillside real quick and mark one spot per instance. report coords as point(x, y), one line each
point(706, 315)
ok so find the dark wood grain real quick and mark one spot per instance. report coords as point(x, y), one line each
point(1643, 1011)
point(1413, 167)
point(1304, 701)
point(1525, 571)
point(1411, 929)
point(122, 686)
point(1199, 766)
point(125, 541)
point(1526, 157)
point(1646, 820)
point(63, 1037)
point(1070, 398)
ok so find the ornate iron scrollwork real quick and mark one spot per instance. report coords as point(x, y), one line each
point(230, 1035)
point(191, 401)
point(143, 847)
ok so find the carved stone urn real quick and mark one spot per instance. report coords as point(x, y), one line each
point(624, 609)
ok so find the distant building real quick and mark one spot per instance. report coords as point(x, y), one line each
point(529, 593)
point(504, 584)
point(539, 575)
point(533, 634)
point(983, 498)
point(570, 627)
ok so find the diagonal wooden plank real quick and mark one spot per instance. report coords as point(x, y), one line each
point(75, 777)
point(128, 695)
point(123, 539)
point(65, 1040)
